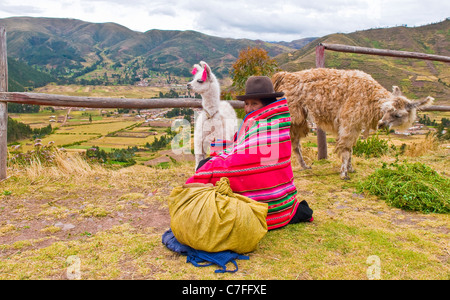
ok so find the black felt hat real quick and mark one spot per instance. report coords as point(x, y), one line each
point(259, 87)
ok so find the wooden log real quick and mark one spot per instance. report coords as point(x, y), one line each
point(384, 52)
point(322, 150)
point(435, 108)
point(100, 102)
point(3, 105)
point(320, 56)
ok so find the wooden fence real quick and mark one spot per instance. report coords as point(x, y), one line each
point(94, 102)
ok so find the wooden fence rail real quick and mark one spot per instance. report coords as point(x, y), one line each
point(384, 52)
point(97, 102)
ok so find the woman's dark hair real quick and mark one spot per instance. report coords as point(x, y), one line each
point(267, 101)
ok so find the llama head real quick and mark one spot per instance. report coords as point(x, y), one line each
point(400, 112)
point(203, 79)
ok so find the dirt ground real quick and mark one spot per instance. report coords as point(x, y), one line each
point(166, 155)
point(71, 215)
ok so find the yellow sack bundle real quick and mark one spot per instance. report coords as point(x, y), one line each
point(213, 218)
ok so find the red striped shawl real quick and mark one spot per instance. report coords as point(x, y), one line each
point(258, 165)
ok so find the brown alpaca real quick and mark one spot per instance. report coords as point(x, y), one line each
point(342, 102)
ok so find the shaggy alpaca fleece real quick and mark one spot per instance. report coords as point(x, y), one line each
point(342, 102)
point(218, 119)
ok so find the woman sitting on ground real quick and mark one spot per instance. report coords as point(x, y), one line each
point(258, 163)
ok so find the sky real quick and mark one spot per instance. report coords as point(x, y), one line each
point(268, 20)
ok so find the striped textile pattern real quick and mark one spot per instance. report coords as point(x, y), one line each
point(258, 163)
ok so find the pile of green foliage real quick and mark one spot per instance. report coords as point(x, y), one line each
point(410, 186)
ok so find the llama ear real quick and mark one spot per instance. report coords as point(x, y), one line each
point(205, 66)
point(420, 103)
point(206, 70)
point(396, 91)
point(195, 69)
point(204, 75)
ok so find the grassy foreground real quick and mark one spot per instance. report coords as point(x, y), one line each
point(76, 220)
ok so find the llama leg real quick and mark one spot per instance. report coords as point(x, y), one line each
point(350, 167)
point(346, 157)
point(346, 139)
point(296, 147)
point(198, 157)
point(198, 145)
point(365, 134)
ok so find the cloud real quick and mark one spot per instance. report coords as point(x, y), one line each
point(9, 7)
point(255, 19)
point(288, 19)
point(270, 20)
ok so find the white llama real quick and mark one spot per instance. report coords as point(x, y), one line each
point(218, 119)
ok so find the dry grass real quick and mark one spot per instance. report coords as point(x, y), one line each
point(65, 164)
point(427, 145)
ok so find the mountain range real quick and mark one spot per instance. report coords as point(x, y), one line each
point(67, 46)
point(69, 50)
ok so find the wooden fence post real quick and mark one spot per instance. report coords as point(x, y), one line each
point(3, 105)
point(322, 152)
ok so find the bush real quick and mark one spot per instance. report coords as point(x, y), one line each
point(410, 186)
point(162, 142)
point(45, 154)
point(373, 146)
point(123, 156)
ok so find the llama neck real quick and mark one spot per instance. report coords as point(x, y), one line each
point(383, 96)
point(211, 98)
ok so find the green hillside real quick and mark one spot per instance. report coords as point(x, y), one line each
point(73, 48)
point(22, 77)
point(417, 78)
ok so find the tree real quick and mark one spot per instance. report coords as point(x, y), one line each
point(252, 62)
